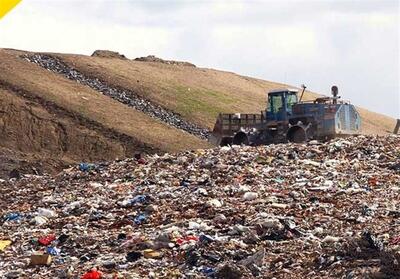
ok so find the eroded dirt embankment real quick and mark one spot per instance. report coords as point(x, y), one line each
point(123, 96)
point(45, 137)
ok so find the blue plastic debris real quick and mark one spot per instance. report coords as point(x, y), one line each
point(203, 238)
point(138, 199)
point(54, 251)
point(12, 216)
point(86, 167)
point(140, 219)
point(185, 183)
point(208, 271)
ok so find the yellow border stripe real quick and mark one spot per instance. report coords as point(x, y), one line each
point(7, 5)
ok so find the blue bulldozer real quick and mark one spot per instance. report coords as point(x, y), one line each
point(287, 119)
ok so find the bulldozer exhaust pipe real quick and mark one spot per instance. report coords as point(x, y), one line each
point(302, 92)
point(335, 92)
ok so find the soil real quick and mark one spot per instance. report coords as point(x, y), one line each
point(37, 136)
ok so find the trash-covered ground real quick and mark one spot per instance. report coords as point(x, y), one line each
point(282, 211)
point(124, 96)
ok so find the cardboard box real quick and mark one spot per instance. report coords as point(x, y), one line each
point(40, 259)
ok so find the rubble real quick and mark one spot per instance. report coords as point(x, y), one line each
point(152, 58)
point(186, 216)
point(108, 54)
point(124, 96)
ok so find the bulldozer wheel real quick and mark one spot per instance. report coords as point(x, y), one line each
point(240, 138)
point(297, 135)
point(226, 141)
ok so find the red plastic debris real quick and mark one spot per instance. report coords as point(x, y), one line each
point(395, 240)
point(187, 239)
point(372, 181)
point(93, 274)
point(46, 240)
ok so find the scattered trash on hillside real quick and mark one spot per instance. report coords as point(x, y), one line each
point(124, 96)
point(330, 211)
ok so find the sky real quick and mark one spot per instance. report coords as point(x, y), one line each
point(352, 44)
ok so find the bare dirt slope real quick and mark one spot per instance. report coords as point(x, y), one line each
point(53, 121)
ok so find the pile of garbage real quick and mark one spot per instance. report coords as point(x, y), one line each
point(152, 58)
point(124, 96)
point(315, 210)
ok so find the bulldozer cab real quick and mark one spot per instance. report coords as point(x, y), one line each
point(280, 104)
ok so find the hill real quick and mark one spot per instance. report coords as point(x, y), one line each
point(65, 115)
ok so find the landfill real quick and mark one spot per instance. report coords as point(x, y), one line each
point(124, 96)
point(314, 210)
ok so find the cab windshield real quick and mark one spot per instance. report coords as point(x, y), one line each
point(275, 104)
point(291, 100)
